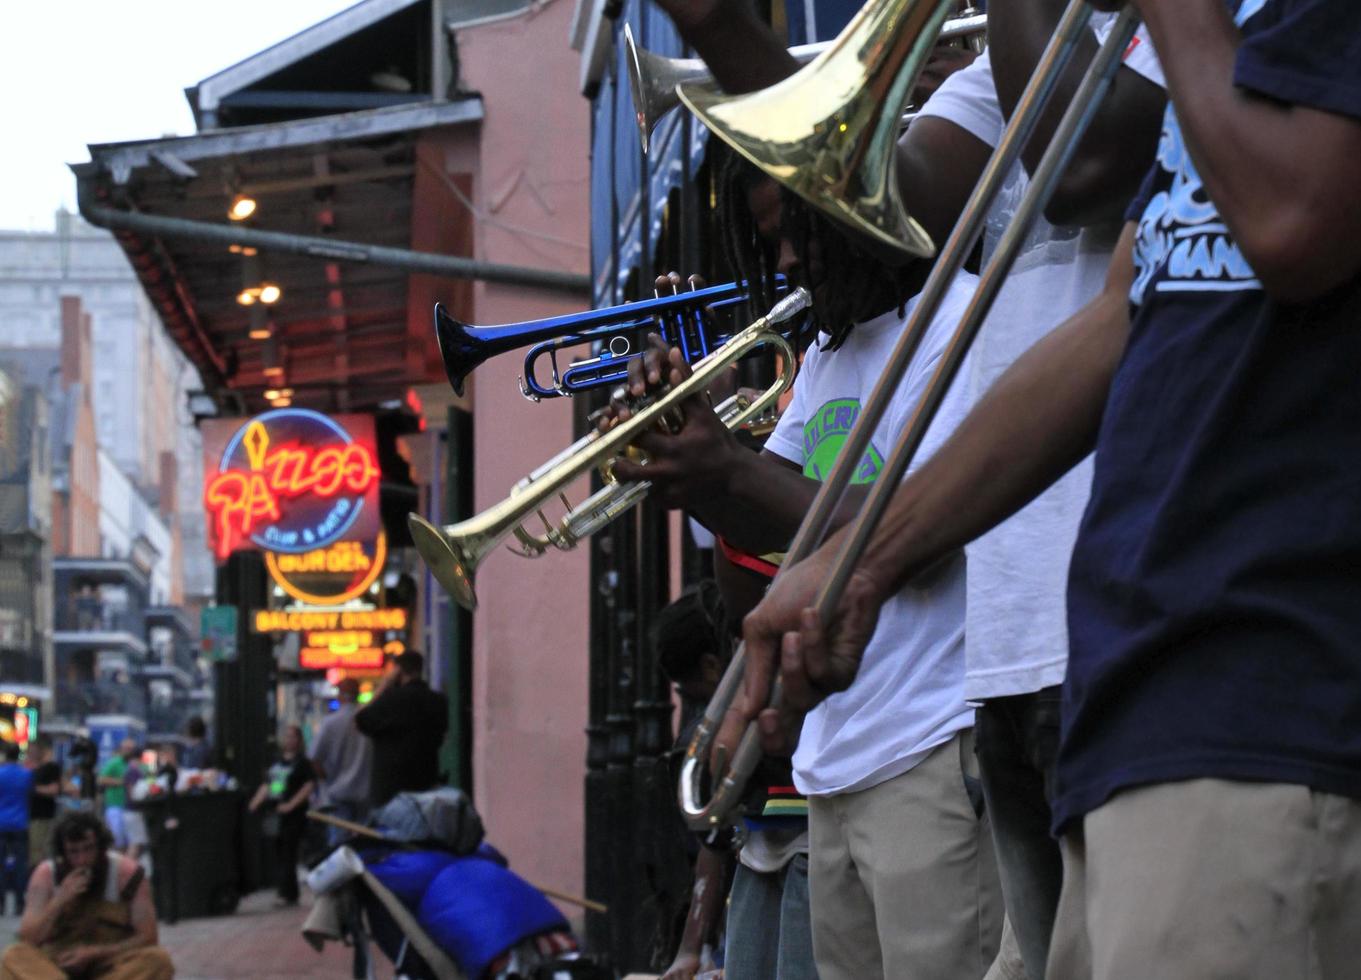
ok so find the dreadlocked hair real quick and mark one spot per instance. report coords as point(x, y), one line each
point(855, 285)
point(751, 257)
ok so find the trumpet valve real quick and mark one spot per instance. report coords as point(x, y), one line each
point(531, 545)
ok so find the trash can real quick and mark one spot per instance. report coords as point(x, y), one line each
point(195, 841)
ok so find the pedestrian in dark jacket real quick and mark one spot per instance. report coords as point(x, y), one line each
point(406, 721)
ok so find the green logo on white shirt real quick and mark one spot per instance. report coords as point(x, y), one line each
point(824, 435)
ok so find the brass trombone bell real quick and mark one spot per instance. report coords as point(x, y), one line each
point(453, 552)
point(653, 78)
point(829, 132)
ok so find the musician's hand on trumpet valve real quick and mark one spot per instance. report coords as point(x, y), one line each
point(660, 367)
point(693, 454)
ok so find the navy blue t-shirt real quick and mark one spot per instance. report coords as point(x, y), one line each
point(1215, 587)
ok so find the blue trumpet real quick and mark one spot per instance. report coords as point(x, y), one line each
point(683, 320)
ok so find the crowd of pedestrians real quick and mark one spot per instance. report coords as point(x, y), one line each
point(401, 728)
point(73, 834)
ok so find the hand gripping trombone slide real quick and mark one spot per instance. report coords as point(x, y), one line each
point(701, 814)
point(454, 551)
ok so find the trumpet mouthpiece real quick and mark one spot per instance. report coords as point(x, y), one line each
point(790, 306)
point(444, 563)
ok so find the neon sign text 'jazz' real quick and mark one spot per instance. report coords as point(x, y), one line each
point(240, 500)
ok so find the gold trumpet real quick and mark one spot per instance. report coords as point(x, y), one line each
point(453, 552)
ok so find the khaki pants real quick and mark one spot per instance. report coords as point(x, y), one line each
point(1008, 965)
point(902, 879)
point(23, 961)
point(38, 832)
point(1208, 879)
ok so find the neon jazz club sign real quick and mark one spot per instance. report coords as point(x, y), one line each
point(291, 480)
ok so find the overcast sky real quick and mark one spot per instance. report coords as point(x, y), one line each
point(75, 72)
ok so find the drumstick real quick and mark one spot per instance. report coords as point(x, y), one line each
point(362, 831)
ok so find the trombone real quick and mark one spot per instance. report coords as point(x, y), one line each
point(873, 45)
point(453, 552)
point(653, 78)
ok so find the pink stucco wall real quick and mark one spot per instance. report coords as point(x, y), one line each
point(530, 661)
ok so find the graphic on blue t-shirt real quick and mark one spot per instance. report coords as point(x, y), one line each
point(824, 435)
point(1180, 234)
point(1212, 601)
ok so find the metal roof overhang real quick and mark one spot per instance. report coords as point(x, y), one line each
point(335, 195)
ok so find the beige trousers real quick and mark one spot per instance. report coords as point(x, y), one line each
point(38, 851)
point(23, 961)
point(902, 879)
point(1212, 879)
point(1008, 965)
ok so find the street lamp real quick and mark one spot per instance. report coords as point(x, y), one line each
point(242, 207)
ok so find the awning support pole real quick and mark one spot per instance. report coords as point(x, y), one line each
point(329, 249)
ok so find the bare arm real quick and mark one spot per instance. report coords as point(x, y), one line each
point(45, 900)
point(938, 165)
point(1295, 210)
point(40, 911)
point(298, 798)
point(740, 49)
point(143, 918)
point(1114, 156)
point(706, 900)
point(1039, 419)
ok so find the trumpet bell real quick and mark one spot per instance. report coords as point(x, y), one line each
point(451, 569)
point(457, 348)
point(653, 80)
point(829, 132)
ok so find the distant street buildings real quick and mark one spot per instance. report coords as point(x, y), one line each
point(103, 563)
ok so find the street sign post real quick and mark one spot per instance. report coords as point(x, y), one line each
point(217, 628)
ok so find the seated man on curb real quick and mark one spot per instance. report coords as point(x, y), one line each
point(87, 914)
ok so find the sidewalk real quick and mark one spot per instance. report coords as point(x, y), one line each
point(258, 941)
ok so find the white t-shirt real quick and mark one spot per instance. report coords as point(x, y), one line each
point(1016, 619)
point(909, 694)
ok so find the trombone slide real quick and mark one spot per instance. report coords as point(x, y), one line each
point(727, 794)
